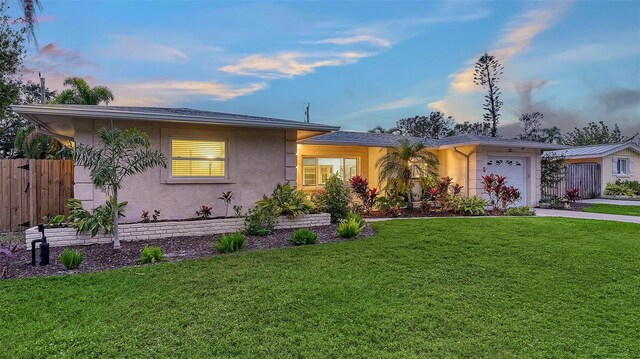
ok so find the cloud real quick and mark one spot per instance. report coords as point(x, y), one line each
point(169, 92)
point(397, 104)
point(356, 39)
point(596, 52)
point(136, 48)
point(56, 63)
point(464, 100)
point(290, 64)
point(620, 100)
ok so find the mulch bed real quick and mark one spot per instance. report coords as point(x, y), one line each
point(99, 257)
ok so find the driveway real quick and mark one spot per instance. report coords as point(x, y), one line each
point(620, 202)
point(586, 215)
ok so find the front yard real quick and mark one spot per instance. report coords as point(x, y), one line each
point(613, 209)
point(439, 287)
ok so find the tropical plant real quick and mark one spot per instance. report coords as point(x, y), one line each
point(426, 184)
point(304, 236)
point(470, 206)
point(336, 198)
point(615, 189)
point(151, 254)
point(520, 211)
point(80, 93)
point(237, 210)
point(499, 193)
point(349, 228)
point(357, 218)
point(33, 145)
point(572, 195)
point(230, 242)
point(260, 222)
point(391, 205)
point(204, 212)
point(367, 196)
point(120, 154)
point(54, 221)
point(10, 245)
point(146, 218)
point(71, 258)
point(445, 191)
point(487, 74)
point(100, 219)
point(286, 200)
point(226, 197)
point(401, 163)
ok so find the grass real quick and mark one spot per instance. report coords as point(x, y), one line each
point(614, 209)
point(492, 287)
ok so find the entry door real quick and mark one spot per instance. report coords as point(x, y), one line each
point(515, 169)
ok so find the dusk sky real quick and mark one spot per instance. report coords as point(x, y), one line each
point(359, 64)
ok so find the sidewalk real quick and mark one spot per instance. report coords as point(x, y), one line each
point(585, 215)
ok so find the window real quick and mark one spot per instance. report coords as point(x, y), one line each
point(316, 170)
point(621, 166)
point(419, 169)
point(198, 158)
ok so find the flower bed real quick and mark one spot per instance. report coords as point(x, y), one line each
point(65, 236)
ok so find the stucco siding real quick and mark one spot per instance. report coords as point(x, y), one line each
point(259, 162)
point(607, 167)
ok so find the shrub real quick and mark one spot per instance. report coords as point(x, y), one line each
point(230, 242)
point(391, 204)
point(153, 218)
point(352, 216)
point(55, 221)
point(226, 198)
point(572, 195)
point(349, 228)
point(237, 210)
point(100, 219)
point(71, 258)
point(367, 196)
point(520, 211)
point(470, 206)
point(260, 222)
point(632, 185)
point(622, 188)
point(499, 193)
point(151, 254)
point(10, 245)
point(304, 236)
point(445, 192)
point(286, 200)
point(337, 197)
point(204, 212)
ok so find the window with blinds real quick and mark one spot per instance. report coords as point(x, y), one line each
point(198, 158)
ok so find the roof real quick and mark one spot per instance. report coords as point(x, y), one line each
point(594, 150)
point(352, 138)
point(187, 115)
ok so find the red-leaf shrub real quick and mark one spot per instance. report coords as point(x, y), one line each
point(573, 194)
point(367, 196)
point(499, 193)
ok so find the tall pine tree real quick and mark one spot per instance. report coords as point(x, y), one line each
point(487, 74)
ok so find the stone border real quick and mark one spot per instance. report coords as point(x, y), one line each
point(58, 237)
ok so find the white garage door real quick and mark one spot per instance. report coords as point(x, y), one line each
point(514, 169)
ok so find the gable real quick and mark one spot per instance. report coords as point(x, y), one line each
point(628, 152)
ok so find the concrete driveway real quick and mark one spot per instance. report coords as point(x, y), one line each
point(585, 215)
point(619, 202)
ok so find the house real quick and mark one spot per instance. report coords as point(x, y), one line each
point(612, 161)
point(211, 152)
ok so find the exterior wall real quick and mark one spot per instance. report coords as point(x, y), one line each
point(607, 167)
point(532, 157)
point(262, 159)
point(58, 237)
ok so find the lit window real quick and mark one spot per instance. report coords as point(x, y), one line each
point(316, 170)
point(419, 169)
point(198, 158)
point(622, 166)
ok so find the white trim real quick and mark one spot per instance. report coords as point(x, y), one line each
point(167, 134)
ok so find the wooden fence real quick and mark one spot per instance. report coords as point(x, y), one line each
point(32, 189)
point(585, 176)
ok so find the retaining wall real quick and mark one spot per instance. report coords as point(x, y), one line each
point(58, 237)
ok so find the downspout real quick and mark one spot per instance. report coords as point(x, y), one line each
point(467, 156)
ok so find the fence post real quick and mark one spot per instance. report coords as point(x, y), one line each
point(33, 193)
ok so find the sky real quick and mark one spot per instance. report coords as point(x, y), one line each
point(359, 64)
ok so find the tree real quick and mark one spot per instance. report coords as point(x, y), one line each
point(436, 125)
point(551, 135)
point(552, 172)
point(80, 93)
point(121, 154)
point(11, 55)
point(30, 7)
point(487, 74)
point(31, 144)
point(595, 134)
point(531, 127)
point(399, 163)
point(475, 128)
point(380, 129)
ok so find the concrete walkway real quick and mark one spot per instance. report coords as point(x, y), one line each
point(586, 215)
point(620, 202)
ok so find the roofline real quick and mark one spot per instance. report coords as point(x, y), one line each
point(541, 145)
point(311, 142)
point(621, 146)
point(28, 111)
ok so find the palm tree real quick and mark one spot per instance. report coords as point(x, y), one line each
point(29, 8)
point(397, 166)
point(31, 144)
point(80, 93)
point(551, 135)
point(121, 154)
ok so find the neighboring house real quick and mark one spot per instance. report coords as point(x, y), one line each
point(614, 161)
point(211, 152)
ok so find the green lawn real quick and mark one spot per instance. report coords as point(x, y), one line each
point(614, 209)
point(493, 287)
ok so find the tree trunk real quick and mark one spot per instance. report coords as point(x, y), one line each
point(116, 238)
point(409, 193)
